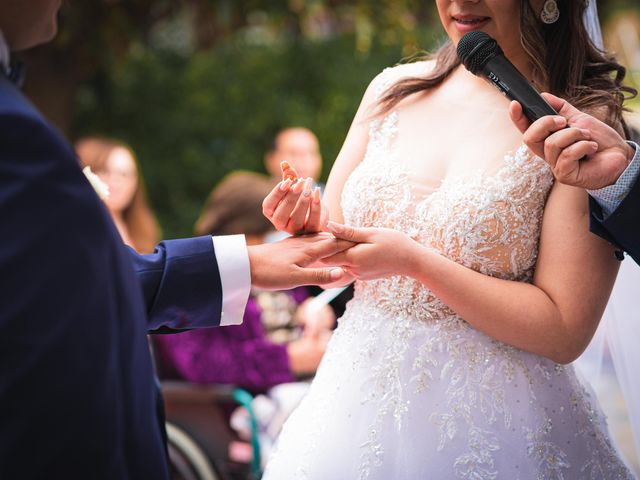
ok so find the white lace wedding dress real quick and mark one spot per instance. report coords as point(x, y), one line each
point(407, 389)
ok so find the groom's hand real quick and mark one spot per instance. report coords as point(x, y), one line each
point(288, 263)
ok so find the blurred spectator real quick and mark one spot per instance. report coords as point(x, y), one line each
point(273, 345)
point(299, 146)
point(115, 163)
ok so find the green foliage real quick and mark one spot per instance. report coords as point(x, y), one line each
point(192, 119)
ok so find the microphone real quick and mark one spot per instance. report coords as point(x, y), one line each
point(482, 56)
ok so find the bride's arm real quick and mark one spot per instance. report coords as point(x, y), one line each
point(555, 316)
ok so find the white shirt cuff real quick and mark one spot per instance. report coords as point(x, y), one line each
point(235, 275)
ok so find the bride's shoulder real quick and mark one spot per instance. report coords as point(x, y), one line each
point(413, 69)
point(401, 71)
point(390, 75)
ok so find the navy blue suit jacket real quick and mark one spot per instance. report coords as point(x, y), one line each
point(77, 393)
point(622, 226)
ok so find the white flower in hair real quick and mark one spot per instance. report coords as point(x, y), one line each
point(101, 188)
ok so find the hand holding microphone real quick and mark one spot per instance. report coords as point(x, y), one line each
point(581, 150)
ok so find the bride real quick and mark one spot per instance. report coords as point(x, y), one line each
point(477, 280)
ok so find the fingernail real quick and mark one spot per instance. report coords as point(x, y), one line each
point(284, 186)
point(316, 195)
point(594, 147)
point(308, 186)
point(297, 188)
point(336, 274)
point(284, 165)
point(585, 132)
point(559, 121)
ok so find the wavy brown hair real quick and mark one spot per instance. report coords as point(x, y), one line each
point(565, 62)
point(141, 224)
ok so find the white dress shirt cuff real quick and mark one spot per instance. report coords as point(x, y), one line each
point(235, 275)
point(610, 198)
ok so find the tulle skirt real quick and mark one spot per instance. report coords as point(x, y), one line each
point(400, 396)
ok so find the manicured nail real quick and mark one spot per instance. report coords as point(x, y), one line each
point(308, 187)
point(284, 186)
point(284, 165)
point(297, 188)
point(336, 274)
point(316, 195)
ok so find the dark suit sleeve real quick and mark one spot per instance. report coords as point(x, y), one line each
point(622, 226)
point(181, 284)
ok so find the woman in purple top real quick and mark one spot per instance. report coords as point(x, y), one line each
point(279, 340)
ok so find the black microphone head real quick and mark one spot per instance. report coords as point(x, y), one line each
point(475, 49)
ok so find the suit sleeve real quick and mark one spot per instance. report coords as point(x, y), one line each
point(622, 226)
point(181, 284)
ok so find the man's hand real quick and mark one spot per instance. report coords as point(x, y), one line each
point(288, 263)
point(589, 154)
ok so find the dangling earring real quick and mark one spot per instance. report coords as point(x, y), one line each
point(550, 12)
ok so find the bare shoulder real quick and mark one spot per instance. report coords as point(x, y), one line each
point(401, 71)
point(392, 75)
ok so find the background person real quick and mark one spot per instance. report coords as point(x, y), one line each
point(116, 164)
point(299, 147)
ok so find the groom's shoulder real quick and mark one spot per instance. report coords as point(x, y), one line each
point(24, 128)
point(14, 104)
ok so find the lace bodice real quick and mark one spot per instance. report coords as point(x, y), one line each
point(488, 220)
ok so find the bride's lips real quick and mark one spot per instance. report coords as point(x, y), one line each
point(467, 23)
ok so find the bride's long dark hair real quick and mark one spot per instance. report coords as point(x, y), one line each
point(565, 61)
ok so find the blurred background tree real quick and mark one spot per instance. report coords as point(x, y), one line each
point(199, 87)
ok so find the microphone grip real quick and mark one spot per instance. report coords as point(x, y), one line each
point(509, 81)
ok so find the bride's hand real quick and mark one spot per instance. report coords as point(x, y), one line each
point(294, 205)
point(378, 253)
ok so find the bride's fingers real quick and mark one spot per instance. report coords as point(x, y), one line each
point(314, 220)
point(288, 172)
point(271, 201)
point(341, 259)
point(282, 213)
point(299, 213)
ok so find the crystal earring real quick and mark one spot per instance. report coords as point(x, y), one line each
point(550, 12)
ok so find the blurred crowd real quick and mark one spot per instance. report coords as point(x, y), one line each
point(275, 352)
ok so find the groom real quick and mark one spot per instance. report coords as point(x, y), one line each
point(77, 393)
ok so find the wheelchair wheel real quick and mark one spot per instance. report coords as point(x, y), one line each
point(187, 460)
